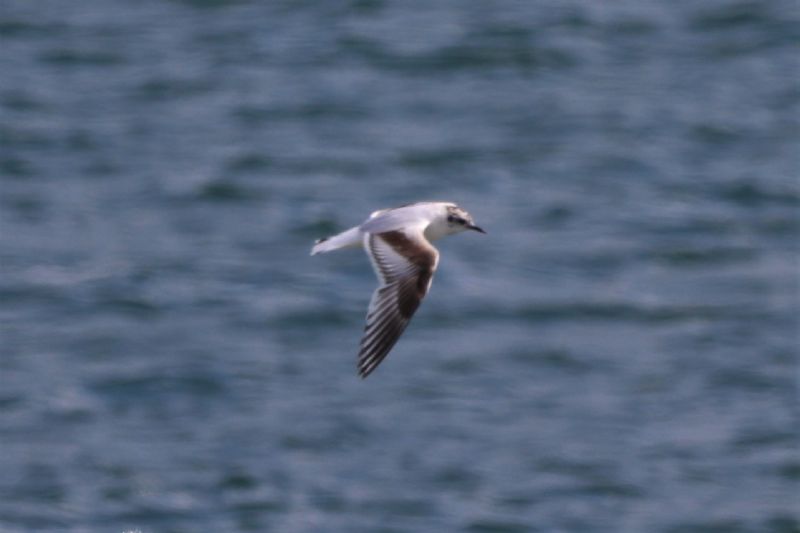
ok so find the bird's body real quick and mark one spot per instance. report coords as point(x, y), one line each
point(398, 243)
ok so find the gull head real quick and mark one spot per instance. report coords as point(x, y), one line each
point(458, 220)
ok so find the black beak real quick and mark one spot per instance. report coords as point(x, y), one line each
point(476, 228)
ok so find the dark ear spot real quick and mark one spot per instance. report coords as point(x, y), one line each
point(450, 218)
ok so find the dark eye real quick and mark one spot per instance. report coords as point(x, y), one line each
point(450, 218)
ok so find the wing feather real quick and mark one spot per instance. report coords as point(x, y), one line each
point(404, 263)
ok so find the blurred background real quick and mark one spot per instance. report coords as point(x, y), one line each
point(619, 354)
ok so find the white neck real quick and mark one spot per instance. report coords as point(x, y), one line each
point(439, 227)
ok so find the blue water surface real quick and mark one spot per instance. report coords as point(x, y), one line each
point(618, 354)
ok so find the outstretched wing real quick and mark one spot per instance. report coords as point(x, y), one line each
point(404, 263)
point(396, 219)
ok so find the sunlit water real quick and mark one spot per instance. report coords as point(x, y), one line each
point(619, 354)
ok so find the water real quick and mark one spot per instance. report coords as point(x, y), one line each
point(619, 354)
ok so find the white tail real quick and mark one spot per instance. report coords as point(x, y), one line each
point(346, 239)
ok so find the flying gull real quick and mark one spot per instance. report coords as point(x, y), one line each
point(398, 243)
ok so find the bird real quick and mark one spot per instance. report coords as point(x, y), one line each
point(398, 244)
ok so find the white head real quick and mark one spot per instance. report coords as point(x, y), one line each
point(452, 220)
